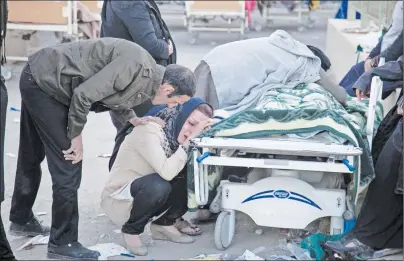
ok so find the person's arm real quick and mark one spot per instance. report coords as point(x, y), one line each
point(376, 50)
point(395, 50)
point(337, 91)
point(116, 76)
point(124, 115)
point(389, 72)
point(136, 18)
point(147, 142)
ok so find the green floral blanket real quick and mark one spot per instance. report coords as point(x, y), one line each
point(304, 111)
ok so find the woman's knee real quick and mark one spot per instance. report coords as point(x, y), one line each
point(154, 187)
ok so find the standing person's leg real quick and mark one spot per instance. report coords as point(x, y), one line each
point(380, 222)
point(31, 153)
point(6, 254)
point(50, 120)
point(5, 250)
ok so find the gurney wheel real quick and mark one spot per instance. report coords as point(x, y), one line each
point(224, 230)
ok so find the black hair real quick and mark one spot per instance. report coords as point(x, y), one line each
point(181, 78)
point(325, 62)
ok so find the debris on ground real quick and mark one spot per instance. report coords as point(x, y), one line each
point(102, 235)
point(38, 214)
point(298, 252)
point(259, 231)
point(258, 250)
point(386, 252)
point(101, 215)
point(118, 231)
point(16, 120)
point(105, 155)
point(280, 257)
point(248, 255)
point(210, 257)
point(14, 109)
point(11, 155)
point(109, 249)
point(38, 240)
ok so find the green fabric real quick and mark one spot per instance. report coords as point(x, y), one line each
point(313, 244)
point(303, 111)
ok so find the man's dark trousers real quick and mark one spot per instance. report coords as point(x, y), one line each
point(5, 250)
point(43, 132)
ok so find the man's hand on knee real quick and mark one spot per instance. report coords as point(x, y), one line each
point(75, 152)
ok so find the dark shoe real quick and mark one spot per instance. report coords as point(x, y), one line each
point(32, 229)
point(71, 251)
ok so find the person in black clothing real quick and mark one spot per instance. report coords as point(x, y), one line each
point(139, 22)
point(380, 221)
point(6, 253)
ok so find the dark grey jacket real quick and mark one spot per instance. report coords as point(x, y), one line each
point(140, 22)
point(97, 75)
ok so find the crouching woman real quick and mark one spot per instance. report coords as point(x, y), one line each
point(147, 180)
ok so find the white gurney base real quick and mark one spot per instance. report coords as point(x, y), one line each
point(277, 201)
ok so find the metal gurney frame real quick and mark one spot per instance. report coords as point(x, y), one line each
point(219, 151)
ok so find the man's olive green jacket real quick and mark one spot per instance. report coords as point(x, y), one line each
point(96, 75)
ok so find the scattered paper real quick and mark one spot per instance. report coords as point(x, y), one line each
point(38, 240)
point(208, 257)
point(258, 250)
point(298, 252)
point(259, 231)
point(105, 155)
point(248, 255)
point(109, 249)
point(16, 120)
point(281, 257)
point(11, 155)
point(118, 231)
point(40, 214)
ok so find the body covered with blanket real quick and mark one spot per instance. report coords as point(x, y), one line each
point(233, 76)
point(274, 91)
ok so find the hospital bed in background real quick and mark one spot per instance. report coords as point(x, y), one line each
point(285, 198)
point(200, 16)
point(28, 19)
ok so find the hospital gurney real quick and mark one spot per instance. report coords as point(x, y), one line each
point(282, 200)
point(230, 11)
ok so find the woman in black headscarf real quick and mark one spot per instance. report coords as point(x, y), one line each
point(148, 178)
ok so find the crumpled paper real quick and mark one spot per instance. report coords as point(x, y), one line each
point(109, 249)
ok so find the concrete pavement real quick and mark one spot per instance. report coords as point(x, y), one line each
point(98, 138)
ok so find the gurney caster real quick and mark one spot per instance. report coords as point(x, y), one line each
point(224, 229)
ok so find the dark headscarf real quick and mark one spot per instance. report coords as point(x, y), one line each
point(325, 61)
point(175, 118)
